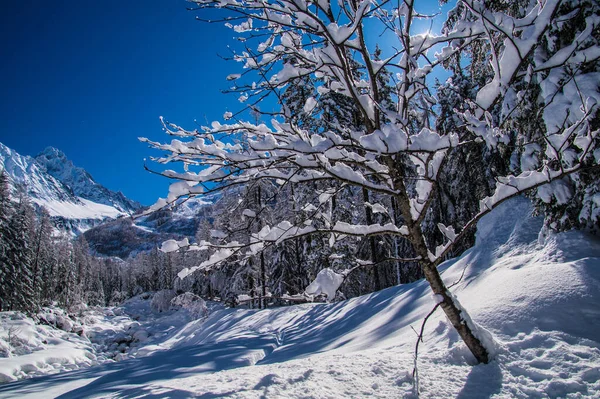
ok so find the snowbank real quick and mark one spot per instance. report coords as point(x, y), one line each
point(28, 349)
point(59, 342)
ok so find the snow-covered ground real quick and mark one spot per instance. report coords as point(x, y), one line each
point(59, 342)
point(538, 295)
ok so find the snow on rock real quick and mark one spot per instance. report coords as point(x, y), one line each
point(161, 301)
point(73, 199)
point(83, 209)
point(190, 302)
point(327, 283)
point(58, 342)
point(56, 163)
point(28, 349)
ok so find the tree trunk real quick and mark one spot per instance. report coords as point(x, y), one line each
point(454, 314)
point(251, 285)
point(395, 240)
point(37, 257)
point(262, 301)
point(263, 277)
point(434, 279)
point(372, 241)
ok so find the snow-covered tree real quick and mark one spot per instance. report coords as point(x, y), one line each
point(390, 146)
point(6, 244)
point(42, 254)
point(540, 103)
point(21, 257)
point(66, 292)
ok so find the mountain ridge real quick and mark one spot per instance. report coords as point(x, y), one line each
point(74, 201)
point(77, 204)
point(81, 182)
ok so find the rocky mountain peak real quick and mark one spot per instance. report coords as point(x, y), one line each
point(69, 193)
point(56, 163)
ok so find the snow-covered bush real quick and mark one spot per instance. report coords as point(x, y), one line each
point(4, 347)
point(161, 301)
point(192, 303)
point(11, 341)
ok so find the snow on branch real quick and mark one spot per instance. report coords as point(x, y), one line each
point(327, 283)
point(314, 58)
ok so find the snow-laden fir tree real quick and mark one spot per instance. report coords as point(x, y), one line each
point(21, 258)
point(395, 150)
point(554, 90)
point(42, 257)
point(6, 245)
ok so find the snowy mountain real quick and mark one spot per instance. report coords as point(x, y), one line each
point(73, 199)
point(78, 204)
point(56, 164)
point(537, 294)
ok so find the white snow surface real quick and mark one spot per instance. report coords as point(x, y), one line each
point(83, 209)
point(93, 336)
point(537, 294)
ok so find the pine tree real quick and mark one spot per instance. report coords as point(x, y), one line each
point(166, 275)
point(42, 257)
point(66, 276)
point(6, 245)
point(95, 294)
point(83, 268)
point(21, 257)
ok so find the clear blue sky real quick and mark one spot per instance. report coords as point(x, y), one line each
point(89, 77)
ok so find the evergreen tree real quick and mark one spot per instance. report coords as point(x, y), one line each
point(83, 268)
point(66, 276)
point(21, 258)
point(42, 254)
point(6, 245)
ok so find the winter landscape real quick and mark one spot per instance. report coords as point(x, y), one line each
point(398, 200)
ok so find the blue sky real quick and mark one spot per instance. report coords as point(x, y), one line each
point(89, 77)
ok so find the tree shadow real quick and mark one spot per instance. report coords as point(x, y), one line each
point(483, 381)
point(324, 327)
point(134, 377)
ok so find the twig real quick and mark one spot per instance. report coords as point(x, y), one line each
point(460, 278)
point(415, 373)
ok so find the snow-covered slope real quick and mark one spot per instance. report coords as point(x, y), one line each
point(55, 163)
point(538, 295)
point(74, 201)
